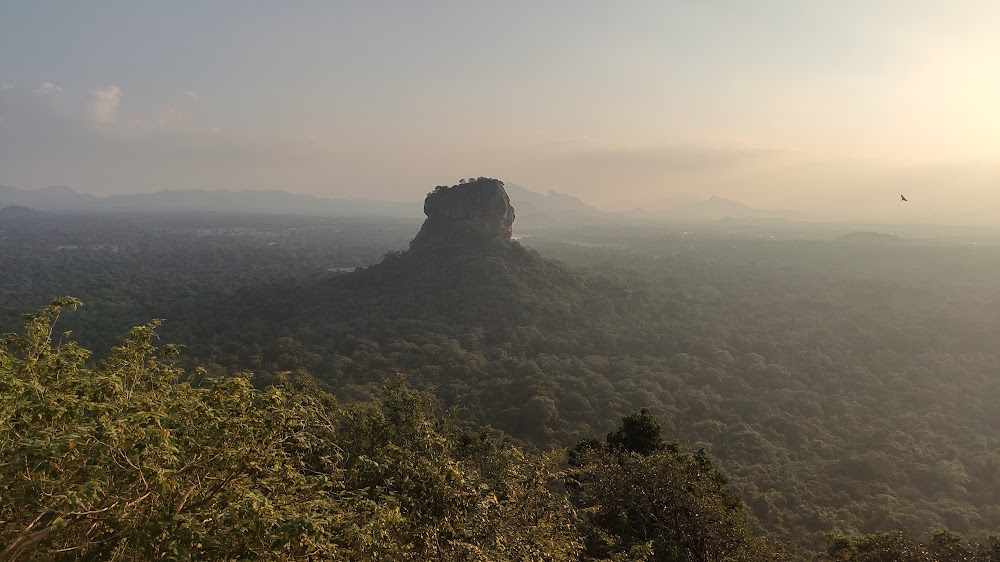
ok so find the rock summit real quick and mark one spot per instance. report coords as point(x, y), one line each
point(475, 206)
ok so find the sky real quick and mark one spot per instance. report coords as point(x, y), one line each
point(834, 108)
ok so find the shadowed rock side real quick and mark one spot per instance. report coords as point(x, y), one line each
point(480, 207)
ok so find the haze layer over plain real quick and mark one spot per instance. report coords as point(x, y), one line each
point(830, 108)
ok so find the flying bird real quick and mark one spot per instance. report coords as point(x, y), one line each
point(902, 197)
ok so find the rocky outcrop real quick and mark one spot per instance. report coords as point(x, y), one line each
point(479, 206)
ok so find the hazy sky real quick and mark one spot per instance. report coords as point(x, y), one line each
point(818, 105)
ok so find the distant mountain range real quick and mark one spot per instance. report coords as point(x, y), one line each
point(531, 207)
point(65, 199)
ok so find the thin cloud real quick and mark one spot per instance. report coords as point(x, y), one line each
point(46, 89)
point(103, 104)
point(107, 146)
point(192, 96)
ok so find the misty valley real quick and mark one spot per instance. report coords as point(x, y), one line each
point(284, 386)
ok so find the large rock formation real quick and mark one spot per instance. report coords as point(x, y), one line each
point(477, 207)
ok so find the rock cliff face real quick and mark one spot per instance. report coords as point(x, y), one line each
point(479, 206)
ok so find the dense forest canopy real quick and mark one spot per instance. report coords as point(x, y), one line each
point(844, 385)
point(139, 460)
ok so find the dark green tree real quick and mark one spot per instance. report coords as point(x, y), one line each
point(645, 500)
point(639, 433)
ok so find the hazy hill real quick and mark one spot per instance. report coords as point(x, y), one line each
point(534, 207)
point(18, 212)
point(55, 198)
point(870, 237)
